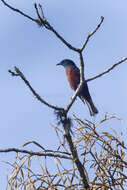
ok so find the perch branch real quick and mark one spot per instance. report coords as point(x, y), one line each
point(67, 108)
point(80, 84)
point(81, 68)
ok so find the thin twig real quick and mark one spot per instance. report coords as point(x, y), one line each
point(20, 74)
point(41, 20)
point(42, 12)
point(18, 11)
point(34, 142)
point(92, 33)
point(108, 70)
point(46, 150)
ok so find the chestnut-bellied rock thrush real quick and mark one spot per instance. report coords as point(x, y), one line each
point(73, 76)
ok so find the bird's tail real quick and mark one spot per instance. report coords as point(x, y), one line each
point(92, 109)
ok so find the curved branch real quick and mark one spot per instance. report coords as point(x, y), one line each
point(107, 70)
point(20, 74)
point(45, 150)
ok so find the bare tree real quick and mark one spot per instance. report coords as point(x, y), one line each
point(107, 163)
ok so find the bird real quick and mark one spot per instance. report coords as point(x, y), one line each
point(73, 76)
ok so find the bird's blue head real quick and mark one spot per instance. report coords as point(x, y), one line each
point(67, 63)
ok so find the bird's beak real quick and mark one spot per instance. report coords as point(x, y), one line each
point(58, 64)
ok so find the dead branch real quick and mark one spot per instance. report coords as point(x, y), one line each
point(66, 125)
point(107, 70)
point(21, 75)
point(91, 34)
point(19, 11)
point(31, 153)
point(80, 84)
point(45, 150)
point(42, 22)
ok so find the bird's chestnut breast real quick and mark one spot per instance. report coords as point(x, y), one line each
point(73, 76)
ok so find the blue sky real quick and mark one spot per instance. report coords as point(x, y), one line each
point(36, 52)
